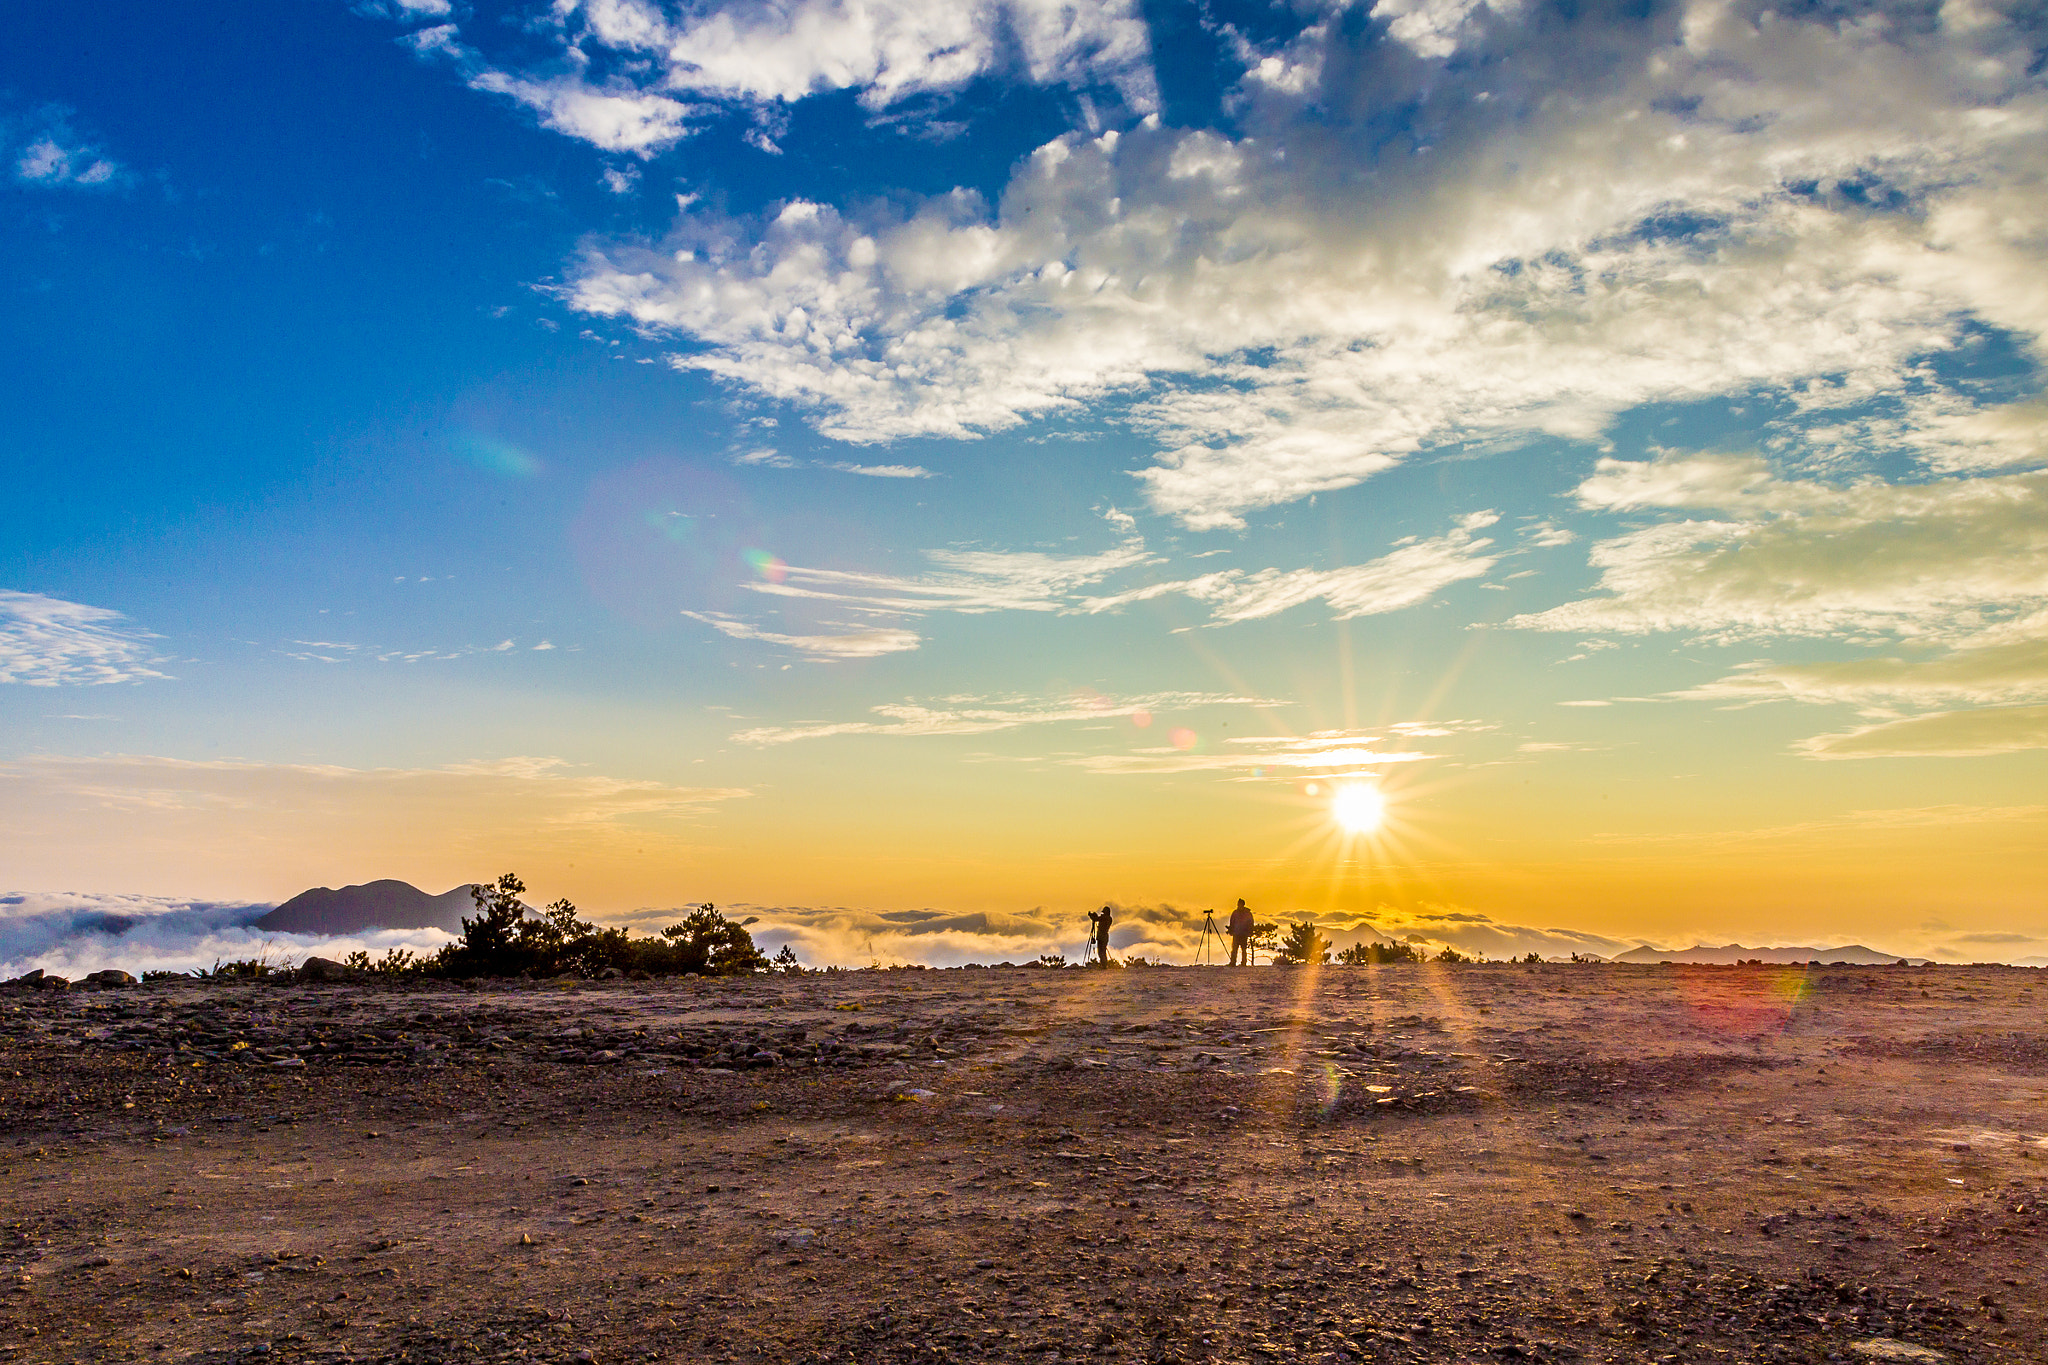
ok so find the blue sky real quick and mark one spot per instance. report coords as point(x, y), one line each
point(777, 452)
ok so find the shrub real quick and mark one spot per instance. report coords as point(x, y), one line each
point(502, 939)
point(1304, 944)
point(1372, 954)
point(1453, 956)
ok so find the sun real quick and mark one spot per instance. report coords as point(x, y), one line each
point(1359, 809)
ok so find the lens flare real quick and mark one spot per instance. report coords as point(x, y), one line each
point(1141, 718)
point(1182, 738)
point(766, 565)
point(494, 456)
point(1358, 808)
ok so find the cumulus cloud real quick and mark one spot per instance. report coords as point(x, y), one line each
point(1605, 211)
point(979, 716)
point(634, 77)
point(48, 642)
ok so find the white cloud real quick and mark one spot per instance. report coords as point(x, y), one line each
point(1325, 753)
point(1606, 213)
point(1944, 734)
point(967, 581)
point(886, 49)
point(885, 471)
point(48, 642)
point(850, 644)
point(44, 151)
point(979, 716)
point(618, 67)
point(1405, 576)
point(1949, 574)
point(615, 120)
point(1947, 560)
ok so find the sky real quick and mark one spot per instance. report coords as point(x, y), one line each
point(1533, 477)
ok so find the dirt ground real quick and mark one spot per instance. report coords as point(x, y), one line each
point(1474, 1163)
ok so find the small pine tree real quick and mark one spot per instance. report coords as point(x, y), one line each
point(1304, 944)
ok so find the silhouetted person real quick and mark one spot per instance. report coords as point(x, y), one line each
point(1241, 935)
point(1102, 919)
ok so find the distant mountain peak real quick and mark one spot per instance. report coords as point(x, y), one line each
point(383, 904)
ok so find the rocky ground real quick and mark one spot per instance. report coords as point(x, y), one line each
point(1397, 1164)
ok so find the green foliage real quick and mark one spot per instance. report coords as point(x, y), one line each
point(786, 963)
point(1304, 944)
point(1374, 954)
point(1453, 956)
point(1052, 959)
point(1532, 958)
point(395, 962)
point(502, 939)
point(242, 969)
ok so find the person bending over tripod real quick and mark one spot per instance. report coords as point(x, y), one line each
point(1101, 919)
point(1241, 935)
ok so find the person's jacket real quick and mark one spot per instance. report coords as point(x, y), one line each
point(1240, 923)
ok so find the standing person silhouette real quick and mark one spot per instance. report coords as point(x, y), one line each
point(1241, 935)
point(1102, 921)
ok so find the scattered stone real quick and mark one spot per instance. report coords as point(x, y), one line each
point(1889, 1348)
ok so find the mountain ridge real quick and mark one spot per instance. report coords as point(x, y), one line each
point(384, 904)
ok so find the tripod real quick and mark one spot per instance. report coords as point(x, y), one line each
point(1209, 930)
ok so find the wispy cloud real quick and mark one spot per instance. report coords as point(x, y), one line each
point(1944, 734)
point(849, 644)
point(968, 581)
point(981, 581)
point(1413, 572)
point(884, 471)
point(1326, 753)
point(48, 642)
point(977, 716)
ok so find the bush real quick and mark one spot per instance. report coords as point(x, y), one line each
point(1453, 956)
point(1304, 944)
point(1374, 954)
point(503, 940)
point(396, 962)
point(1532, 959)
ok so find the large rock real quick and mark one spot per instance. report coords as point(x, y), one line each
point(28, 978)
point(386, 904)
point(111, 976)
point(326, 969)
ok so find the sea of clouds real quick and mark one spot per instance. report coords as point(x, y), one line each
point(72, 933)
